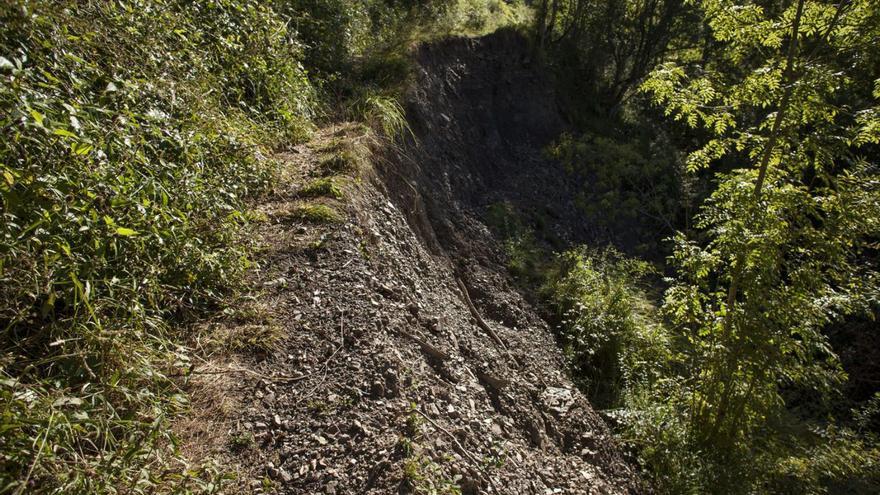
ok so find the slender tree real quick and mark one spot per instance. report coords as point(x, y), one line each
point(785, 229)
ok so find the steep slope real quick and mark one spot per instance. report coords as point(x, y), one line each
point(408, 362)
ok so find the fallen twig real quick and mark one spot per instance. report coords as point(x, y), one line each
point(480, 321)
point(426, 347)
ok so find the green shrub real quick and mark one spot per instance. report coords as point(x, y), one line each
point(126, 154)
point(605, 323)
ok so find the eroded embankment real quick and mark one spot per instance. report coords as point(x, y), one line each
point(408, 362)
point(482, 111)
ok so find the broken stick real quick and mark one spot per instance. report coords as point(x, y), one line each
point(480, 321)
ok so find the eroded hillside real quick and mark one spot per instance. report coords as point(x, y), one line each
point(408, 361)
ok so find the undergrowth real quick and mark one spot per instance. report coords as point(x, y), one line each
point(325, 186)
point(127, 155)
point(132, 136)
point(317, 213)
point(605, 322)
point(634, 364)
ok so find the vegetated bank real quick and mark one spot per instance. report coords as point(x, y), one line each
point(128, 157)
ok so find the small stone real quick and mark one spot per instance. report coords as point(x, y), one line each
point(357, 428)
point(414, 309)
point(392, 384)
point(377, 390)
point(285, 476)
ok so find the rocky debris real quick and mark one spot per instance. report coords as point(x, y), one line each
point(558, 399)
point(418, 364)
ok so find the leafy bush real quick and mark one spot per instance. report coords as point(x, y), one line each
point(605, 323)
point(126, 154)
point(632, 187)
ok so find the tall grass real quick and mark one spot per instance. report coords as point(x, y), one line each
point(130, 138)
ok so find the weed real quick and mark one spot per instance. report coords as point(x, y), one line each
point(325, 186)
point(317, 213)
point(414, 425)
point(385, 113)
point(317, 244)
point(412, 470)
point(344, 161)
point(241, 441)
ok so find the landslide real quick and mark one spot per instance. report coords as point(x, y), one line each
point(408, 361)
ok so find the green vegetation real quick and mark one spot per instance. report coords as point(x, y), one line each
point(325, 186)
point(126, 153)
point(633, 187)
point(317, 213)
point(732, 386)
point(606, 323)
point(127, 156)
point(386, 114)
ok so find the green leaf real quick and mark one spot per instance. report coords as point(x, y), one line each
point(126, 231)
point(63, 132)
point(38, 117)
point(65, 247)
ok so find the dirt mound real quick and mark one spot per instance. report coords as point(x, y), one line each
point(409, 363)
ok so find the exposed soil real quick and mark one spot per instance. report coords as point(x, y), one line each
point(409, 363)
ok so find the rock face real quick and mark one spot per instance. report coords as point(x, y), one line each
point(409, 361)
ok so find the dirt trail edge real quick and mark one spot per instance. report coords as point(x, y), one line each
point(408, 361)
